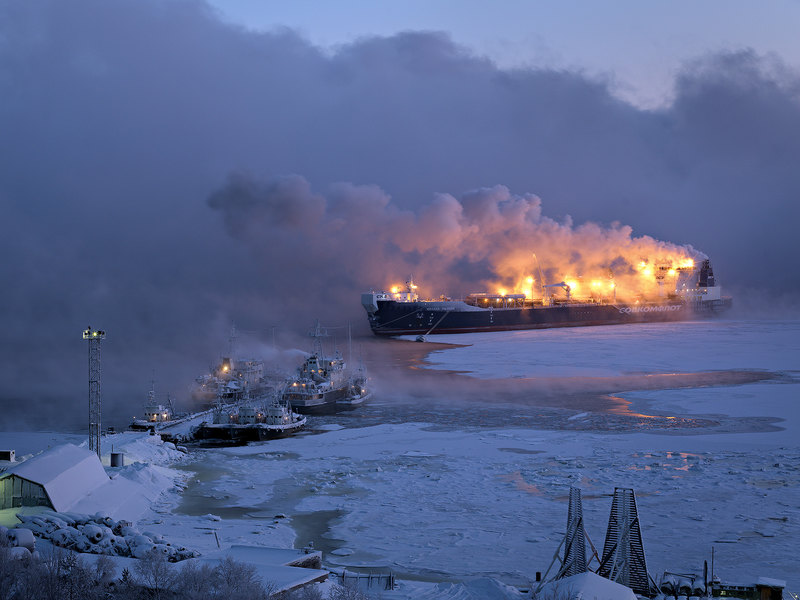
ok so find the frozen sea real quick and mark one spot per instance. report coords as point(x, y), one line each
point(460, 465)
point(445, 481)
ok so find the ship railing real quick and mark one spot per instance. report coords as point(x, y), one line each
point(482, 302)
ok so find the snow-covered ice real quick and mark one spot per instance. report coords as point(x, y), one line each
point(454, 503)
point(614, 350)
point(712, 466)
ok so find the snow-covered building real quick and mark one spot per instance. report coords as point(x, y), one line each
point(584, 586)
point(283, 569)
point(57, 478)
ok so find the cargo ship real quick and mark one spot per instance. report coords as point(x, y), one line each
point(398, 312)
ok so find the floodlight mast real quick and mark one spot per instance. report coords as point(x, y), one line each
point(94, 336)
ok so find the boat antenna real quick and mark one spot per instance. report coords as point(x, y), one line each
point(349, 344)
point(232, 339)
point(317, 334)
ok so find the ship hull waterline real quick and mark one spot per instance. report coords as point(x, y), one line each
point(399, 318)
point(245, 433)
point(321, 403)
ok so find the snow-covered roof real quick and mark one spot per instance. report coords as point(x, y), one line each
point(586, 586)
point(67, 473)
point(270, 565)
point(770, 582)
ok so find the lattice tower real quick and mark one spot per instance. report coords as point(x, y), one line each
point(94, 337)
point(575, 539)
point(623, 552)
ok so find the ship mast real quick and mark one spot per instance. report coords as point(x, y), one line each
point(317, 334)
point(232, 340)
point(349, 345)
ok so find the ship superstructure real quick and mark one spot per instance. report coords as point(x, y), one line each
point(695, 294)
point(156, 414)
point(322, 383)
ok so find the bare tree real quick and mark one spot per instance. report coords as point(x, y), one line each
point(62, 575)
point(155, 575)
point(347, 591)
point(239, 580)
point(198, 582)
point(10, 571)
point(307, 592)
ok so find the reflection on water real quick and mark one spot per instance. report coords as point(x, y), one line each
point(314, 528)
point(520, 483)
point(613, 414)
point(668, 461)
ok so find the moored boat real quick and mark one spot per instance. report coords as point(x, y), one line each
point(245, 423)
point(322, 384)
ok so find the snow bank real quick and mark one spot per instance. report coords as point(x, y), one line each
point(100, 534)
point(140, 447)
point(584, 586)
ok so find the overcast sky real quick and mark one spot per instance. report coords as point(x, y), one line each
point(166, 170)
point(638, 47)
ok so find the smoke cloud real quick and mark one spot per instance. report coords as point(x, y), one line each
point(122, 122)
point(355, 238)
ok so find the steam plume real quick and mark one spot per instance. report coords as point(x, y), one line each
point(355, 238)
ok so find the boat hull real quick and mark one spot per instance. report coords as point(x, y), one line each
point(316, 404)
point(418, 318)
point(245, 433)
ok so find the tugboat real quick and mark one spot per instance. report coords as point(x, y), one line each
point(248, 423)
point(322, 384)
point(233, 380)
point(357, 390)
point(156, 415)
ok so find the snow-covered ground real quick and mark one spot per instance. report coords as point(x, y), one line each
point(450, 503)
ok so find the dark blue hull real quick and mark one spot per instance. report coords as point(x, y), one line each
point(423, 318)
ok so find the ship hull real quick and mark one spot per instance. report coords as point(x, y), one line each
point(246, 433)
point(418, 318)
point(316, 404)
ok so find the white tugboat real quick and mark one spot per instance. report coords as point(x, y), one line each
point(233, 379)
point(357, 390)
point(322, 384)
point(251, 422)
point(156, 415)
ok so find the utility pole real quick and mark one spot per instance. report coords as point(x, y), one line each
point(94, 336)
